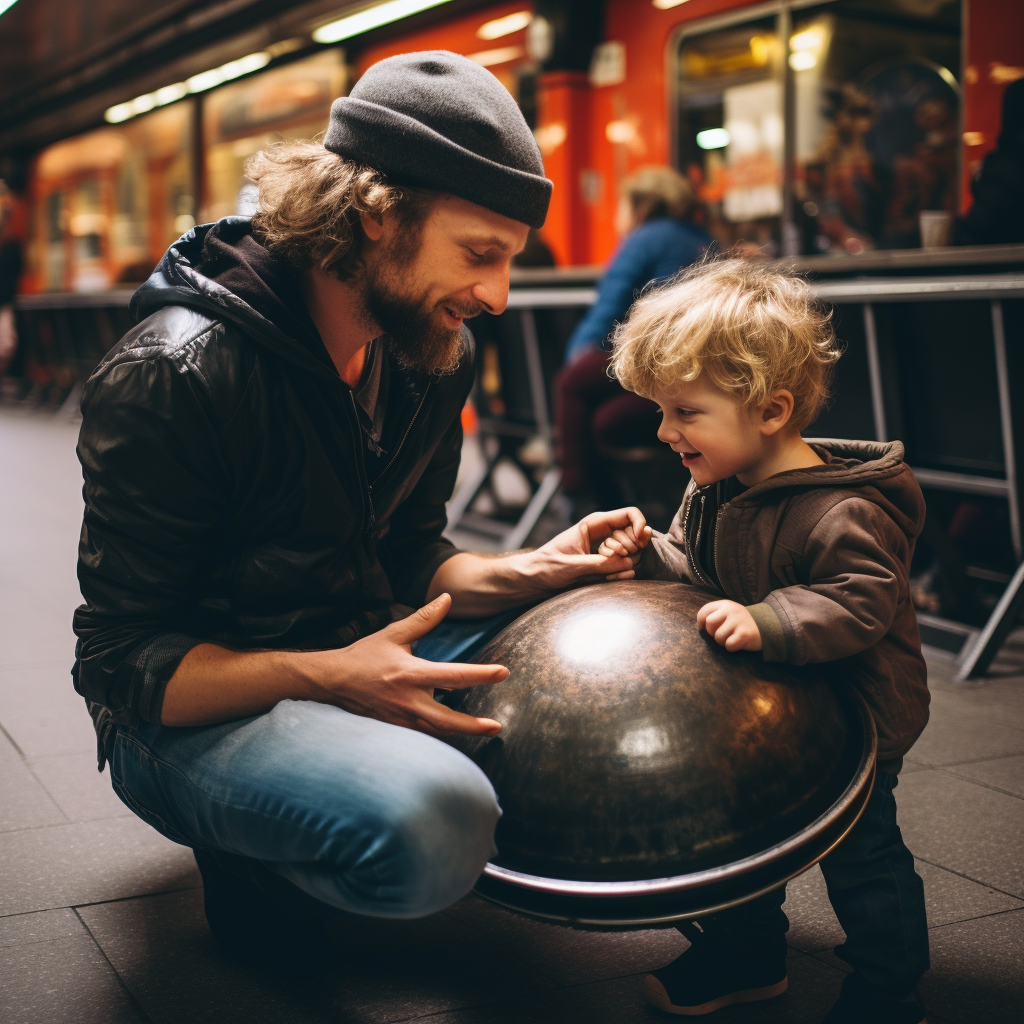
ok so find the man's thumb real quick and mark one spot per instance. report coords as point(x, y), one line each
point(424, 619)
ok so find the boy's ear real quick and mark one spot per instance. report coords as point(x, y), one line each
point(776, 412)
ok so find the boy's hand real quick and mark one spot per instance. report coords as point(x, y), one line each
point(731, 625)
point(626, 543)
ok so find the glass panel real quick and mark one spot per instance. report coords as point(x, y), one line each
point(876, 125)
point(291, 102)
point(731, 130)
point(115, 196)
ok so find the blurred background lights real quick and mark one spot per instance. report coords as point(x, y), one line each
point(371, 17)
point(665, 5)
point(504, 26)
point(197, 83)
point(713, 138)
point(500, 55)
point(803, 60)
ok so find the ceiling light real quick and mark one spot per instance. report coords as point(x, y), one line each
point(504, 26)
point(502, 55)
point(197, 83)
point(226, 72)
point(371, 17)
point(713, 138)
point(665, 5)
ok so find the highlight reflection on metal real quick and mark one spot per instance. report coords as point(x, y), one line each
point(645, 774)
point(593, 638)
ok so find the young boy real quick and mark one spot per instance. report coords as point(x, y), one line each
point(809, 545)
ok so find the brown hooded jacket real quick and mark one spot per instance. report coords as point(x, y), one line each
point(821, 559)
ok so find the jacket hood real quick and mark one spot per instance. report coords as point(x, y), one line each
point(876, 468)
point(221, 270)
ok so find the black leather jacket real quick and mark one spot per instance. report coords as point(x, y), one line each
point(227, 496)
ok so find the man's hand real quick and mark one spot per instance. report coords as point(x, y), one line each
point(731, 625)
point(578, 553)
point(378, 677)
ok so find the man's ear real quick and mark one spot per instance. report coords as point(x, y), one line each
point(373, 226)
point(776, 412)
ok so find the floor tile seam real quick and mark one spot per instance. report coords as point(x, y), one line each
point(969, 878)
point(46, 790)
point(948, 770)
point(13, 742)
point(934, 766)
point(129, 995)
point(979, 917)
point(125, 899)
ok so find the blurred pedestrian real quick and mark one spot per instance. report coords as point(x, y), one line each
point(655, 207)
point(11, 236)
point(997, 214)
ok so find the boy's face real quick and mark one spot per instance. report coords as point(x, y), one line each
point(716, 435)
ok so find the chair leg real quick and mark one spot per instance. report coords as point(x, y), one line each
point(979, 652)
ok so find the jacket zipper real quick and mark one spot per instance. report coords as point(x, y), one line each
point(692, 549)
point(391, 461)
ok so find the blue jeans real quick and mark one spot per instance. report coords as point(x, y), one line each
point(875, 892)
point(362, 816)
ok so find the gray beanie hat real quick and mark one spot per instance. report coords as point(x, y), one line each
point(436, 120)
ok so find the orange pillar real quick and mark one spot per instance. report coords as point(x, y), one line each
point(563, 99)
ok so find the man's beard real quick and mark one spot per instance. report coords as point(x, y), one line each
point(414, 335)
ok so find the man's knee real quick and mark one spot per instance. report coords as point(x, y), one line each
point(426, 848)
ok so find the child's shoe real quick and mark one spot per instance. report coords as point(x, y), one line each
point(714, 973)
point(859, 1003)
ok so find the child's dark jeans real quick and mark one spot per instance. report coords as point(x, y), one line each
point(877, 895)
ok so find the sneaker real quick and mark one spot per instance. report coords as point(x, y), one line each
point(858, 1002)
point(712, 974)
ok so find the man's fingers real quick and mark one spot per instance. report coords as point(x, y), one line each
point(454, 675)
point(422, 621)
point(442, 721)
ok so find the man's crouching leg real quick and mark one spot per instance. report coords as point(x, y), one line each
point(309, 807)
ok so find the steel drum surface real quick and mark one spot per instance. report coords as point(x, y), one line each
point(634, 748)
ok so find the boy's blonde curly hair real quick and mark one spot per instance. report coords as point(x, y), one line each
point(750, 328)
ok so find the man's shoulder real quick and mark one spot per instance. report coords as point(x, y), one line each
point(177, 343)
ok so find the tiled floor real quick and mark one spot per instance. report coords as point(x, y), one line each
point(101, 919)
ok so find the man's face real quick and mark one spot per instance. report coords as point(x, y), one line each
point(422, 282)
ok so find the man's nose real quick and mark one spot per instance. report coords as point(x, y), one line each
point(491, 291)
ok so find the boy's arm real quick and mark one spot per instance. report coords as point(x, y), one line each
point(664, 558)
point(855, 561)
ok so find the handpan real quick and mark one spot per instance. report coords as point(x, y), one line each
point(646, 775)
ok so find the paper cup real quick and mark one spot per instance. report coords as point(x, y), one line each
point(936, 226)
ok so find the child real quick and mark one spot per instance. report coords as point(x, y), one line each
point(809, 546)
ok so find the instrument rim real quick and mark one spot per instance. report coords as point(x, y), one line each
point(861, 781)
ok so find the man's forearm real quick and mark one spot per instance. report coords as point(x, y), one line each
point(212, 684)
point(482, 585)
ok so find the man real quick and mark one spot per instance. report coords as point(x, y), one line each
point(267, 458)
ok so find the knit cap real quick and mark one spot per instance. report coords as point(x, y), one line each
point(436, 120)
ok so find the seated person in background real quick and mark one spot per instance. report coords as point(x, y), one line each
point(997, 214)
point(808, 546)
point(592, 409)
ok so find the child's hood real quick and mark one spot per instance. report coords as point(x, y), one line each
point(874, 467)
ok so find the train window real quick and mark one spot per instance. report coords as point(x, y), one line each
point(731, 129)
point(290, 102)
point(873, 99)
point(109, 211)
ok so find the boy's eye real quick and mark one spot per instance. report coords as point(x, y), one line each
point(686, 412)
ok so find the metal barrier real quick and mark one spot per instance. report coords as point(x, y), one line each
point(72, 332)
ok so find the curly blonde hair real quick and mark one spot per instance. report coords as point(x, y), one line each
point(310, 200)
point(750, 328)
